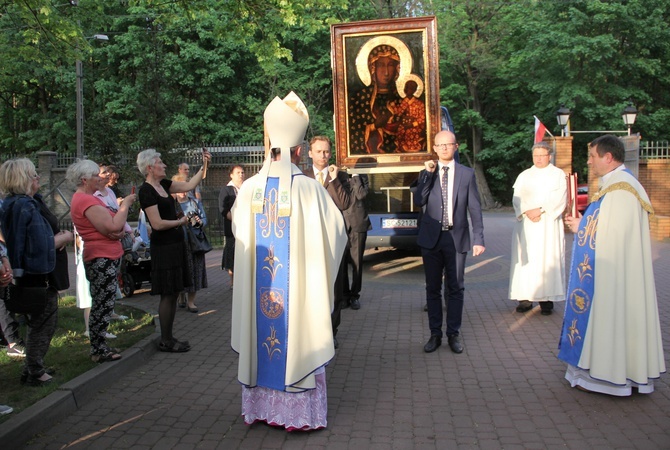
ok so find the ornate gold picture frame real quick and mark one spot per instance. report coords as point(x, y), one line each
point(386, 91)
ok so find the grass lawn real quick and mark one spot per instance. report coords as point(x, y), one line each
point(69, 353)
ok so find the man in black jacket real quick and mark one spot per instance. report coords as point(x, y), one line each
point(358, 223)
point(337, 185)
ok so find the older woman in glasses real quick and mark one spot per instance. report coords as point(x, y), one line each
point(101, 230)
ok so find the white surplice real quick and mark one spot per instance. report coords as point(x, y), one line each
point(537, 270)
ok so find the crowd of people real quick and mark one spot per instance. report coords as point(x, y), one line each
point(285, 322)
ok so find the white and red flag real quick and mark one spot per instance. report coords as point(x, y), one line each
point(540, 130)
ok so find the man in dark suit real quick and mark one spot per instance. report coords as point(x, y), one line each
point(446, 197)
point(358, 223)
point(337, 185)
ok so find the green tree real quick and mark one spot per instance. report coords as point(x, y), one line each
point(35, 38)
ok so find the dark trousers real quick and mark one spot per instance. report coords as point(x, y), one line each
point(8, 324)
point(354, 257)
point(340, 300)
point(444, 267)
point(41, 328)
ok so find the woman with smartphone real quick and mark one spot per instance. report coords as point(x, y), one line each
point(168, 249)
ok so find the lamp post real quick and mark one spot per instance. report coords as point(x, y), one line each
point(629, 114)
point(79, 71)
point(563, 118)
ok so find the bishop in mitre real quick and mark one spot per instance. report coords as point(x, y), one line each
point(290, 238)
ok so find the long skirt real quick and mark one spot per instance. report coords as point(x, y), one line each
point(198, 270)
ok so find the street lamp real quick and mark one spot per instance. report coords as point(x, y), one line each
point(563, 117)
point(79, 70)
point(629, 114)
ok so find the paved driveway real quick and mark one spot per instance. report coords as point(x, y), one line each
point(505, 391)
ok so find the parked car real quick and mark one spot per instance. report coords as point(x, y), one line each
point(582, 197)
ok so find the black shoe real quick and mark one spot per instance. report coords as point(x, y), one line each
point(425, 307)
point(354, 303)
point(455, 344)
point(547, 308)
point(524, 305)
point(433, 343)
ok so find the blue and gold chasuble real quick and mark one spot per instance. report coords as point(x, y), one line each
point(272, 285)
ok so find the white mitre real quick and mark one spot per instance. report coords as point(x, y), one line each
point(286, 122)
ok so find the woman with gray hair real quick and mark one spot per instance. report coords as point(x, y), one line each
point(101, 230)
point(36, 252)
point(168, 249)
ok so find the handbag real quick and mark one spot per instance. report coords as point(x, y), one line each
point(25, 299)
point(127, 242)
point(59, 279)
point(197, 240)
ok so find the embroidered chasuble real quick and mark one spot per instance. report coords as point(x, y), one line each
point(611, 329)
point(316, 242)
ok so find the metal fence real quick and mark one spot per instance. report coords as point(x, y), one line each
point(250, 156)
point(654, 150)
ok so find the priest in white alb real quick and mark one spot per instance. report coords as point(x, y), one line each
point(290, 238)
point(537, 269)
point(611, 335)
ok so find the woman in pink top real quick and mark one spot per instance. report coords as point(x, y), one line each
point(101, 230)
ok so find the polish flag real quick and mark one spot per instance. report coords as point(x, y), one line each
point(540, 130)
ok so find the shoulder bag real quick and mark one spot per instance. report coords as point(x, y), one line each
point(197, 240)
point(25, 299)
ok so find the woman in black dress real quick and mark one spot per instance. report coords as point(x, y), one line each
point(168, 253)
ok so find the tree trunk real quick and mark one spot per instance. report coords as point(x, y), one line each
point(484, 192)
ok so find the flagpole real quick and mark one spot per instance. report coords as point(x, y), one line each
point(545, 128)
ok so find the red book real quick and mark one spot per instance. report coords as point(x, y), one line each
point(572, 194)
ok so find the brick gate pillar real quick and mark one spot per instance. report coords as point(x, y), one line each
point(563, 151)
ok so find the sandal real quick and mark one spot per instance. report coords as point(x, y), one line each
point(174, 347)
point(106, 357)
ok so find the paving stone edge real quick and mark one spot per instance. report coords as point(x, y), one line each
point(70, 396)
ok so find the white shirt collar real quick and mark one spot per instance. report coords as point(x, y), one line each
point(605, 177)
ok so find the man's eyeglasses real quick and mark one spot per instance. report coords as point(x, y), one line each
point(444, 146)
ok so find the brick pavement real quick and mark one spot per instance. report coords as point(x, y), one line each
point(505, 391)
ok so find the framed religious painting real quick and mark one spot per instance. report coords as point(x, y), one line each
point(386, 92)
